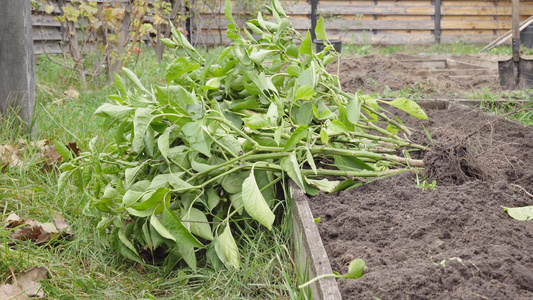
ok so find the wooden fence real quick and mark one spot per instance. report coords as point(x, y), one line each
point(361, 22)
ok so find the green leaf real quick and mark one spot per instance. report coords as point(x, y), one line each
point(134, 79)
point(254, 28)
point(303, 115)
point(355, 270)
point(258, 56)
point(353, 110)
point(176, 97)
point(178, 231)
point(153, 198)
point(409, 106)
point(294, 70)
point(118, 112)
point(141, 121)
point(326, 114)
point(231, 143)
point(304, 92)
point(157, 238)
point(290, 165)
point(232, 183)
point(307, 45)
point(324, 184)
point(161, 229)
point(347, 163)
point(198, 139)
point(163, 143)
point(298, 134)
point(311, 160)
point(188, 255)
point(257, 121)
point(228, 248)
point(173, 258)
point(135, 192)
point(168, 42)
point(228, 12)
point(212, 198)
point(320, 30)
point(62, 150)
point(180, 66)
point(254, 202)
point(182, 40)
point(278, 7)
point(131, 173)
point(277, 134)
point(126, 248)
point(520, 213)
point(336, 127)
point(200, 225)
point(212, 84)
point(62, 181)
point(324, 137)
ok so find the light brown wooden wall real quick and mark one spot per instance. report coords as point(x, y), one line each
point(362, 22)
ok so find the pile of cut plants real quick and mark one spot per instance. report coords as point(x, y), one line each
point(214, 147)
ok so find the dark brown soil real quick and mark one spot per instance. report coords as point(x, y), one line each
point(452, 242)
point(374, 73)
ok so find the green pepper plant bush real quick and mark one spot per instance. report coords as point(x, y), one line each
point(210, 147)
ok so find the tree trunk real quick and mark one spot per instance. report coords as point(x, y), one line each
point(17, 66)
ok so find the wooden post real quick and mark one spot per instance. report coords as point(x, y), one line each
point(314, 8)
point(438, 18)
point(17, 66)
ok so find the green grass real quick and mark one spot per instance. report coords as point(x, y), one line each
point(350, 49)
point(85, 266)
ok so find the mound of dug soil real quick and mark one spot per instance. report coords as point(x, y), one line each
point(373, 73)
point(451, 242)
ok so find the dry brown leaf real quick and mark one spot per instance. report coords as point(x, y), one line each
point(61, 224)
point(74, 148)
point(29, 281)
point(72, 94)
point(37, 232)
point(9, 156)
point(12, 292)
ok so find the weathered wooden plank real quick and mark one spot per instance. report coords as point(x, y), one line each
point(474, 24)
point(384, 38)
point(46, 34)
point(426, 63)
point(476, 61)
point(309, 250)
point(46, 47)
point(454, 72)
point(326, 9)
point(375, 24)
point(44, 20)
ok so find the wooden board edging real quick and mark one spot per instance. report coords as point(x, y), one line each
point(309, 252)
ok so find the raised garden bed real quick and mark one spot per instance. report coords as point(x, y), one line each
point(453, 241)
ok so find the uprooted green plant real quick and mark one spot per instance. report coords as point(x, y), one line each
point(211, 147)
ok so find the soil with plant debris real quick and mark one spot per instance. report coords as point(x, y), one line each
point(379, 74)
point(451, 242)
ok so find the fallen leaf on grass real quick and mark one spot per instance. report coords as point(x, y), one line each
point(25, 285)
point(9, 156)
point(37, 232)
point(520, 213)
point(47, 154)
point(72, 94)
point(8, 291)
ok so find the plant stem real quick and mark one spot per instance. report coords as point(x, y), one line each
point(301, 286)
